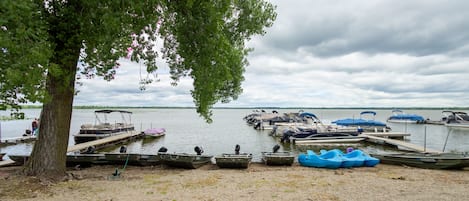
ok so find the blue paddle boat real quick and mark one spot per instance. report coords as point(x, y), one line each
point(335, 158)
point(329, 160)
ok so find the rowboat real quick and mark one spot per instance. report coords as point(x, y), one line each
point(426, 160)
point(278, 158)
point(184, 160)
point(132, 159)
point(241, 160)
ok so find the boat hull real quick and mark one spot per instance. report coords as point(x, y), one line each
point(233, 160)
point(278, 158)
point(183, 160)
point(427, 161)
point(132, 159)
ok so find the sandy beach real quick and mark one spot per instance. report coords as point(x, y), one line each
point(258, 182)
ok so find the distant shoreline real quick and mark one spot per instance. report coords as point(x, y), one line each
point(254, 108)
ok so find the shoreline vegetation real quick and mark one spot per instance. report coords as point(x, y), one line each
point(258, 182)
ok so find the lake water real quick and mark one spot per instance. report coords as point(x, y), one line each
point(185, 130)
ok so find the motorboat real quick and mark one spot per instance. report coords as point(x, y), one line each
point(367, 124)
point(278, 158)
point(154, 132)
point(455, 119)
point(184, 160)
point(102, 128)
point(241, 160)
point(398, 116)
point(236, 160)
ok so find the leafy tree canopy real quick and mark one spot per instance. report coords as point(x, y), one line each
point(202, 39)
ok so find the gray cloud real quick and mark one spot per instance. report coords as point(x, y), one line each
point(328, 53)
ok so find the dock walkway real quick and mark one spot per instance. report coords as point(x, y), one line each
point(16, 140)
point(105, 141)
point(400, 143)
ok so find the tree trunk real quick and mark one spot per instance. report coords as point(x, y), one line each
point(48, 158)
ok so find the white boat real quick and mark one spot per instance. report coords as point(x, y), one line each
point(102, 128)
point(456, 119)
point(399, 116)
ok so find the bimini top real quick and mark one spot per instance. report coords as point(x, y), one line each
point(412, 117)
point(358, 122)
point(307, 114)
point(110, 111)
point(368, 112)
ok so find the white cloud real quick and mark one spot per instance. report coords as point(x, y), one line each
point(332, 53)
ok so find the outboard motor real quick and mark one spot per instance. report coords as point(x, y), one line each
point(237, 148)
point(123, 149)
point(198, 150)
point(163, 150)
point(90, 150)
point(286, 136)
point(276, 148)
point(257, 126)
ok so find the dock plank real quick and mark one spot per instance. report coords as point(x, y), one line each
point(386, 134)
point(401, 143)
point(110, 139)
point(5, 163)
point(305, 142)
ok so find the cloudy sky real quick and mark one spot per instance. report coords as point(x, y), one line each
point(328, 53)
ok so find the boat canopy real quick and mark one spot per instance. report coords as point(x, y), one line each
point(110, 111)
point(307, 114)
point(358, 122)
point(368, 112)
point(412, 117)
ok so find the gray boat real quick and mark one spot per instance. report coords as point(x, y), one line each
point(133, 159)
point(241, 160)
point(184, 160)
point(277, 158)
point(426, 160)
point(236, 160)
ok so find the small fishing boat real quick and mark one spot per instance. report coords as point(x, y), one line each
point(241, 160)
point(19, 159)
point(154, 132)
point(184, 160)
point(455, 119)
point(236, 160)
point(132, 159)
point(426, 160)
point(277, 158)
point(85, 160)
point(398, 116)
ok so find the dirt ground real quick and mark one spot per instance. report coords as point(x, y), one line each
point(258, 182)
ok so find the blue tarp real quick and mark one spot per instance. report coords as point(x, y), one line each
point(358, 122)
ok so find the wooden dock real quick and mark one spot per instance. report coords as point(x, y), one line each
point(399, 143)
point(393, 135)
point(5, 163)
point(105, 141)
point(16, 140)
point(328, 141)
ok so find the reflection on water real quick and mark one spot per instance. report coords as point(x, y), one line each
point(185, 130)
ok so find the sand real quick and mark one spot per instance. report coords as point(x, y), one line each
point(258, 182)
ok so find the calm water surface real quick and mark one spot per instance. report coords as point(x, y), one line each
point(185, 129)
